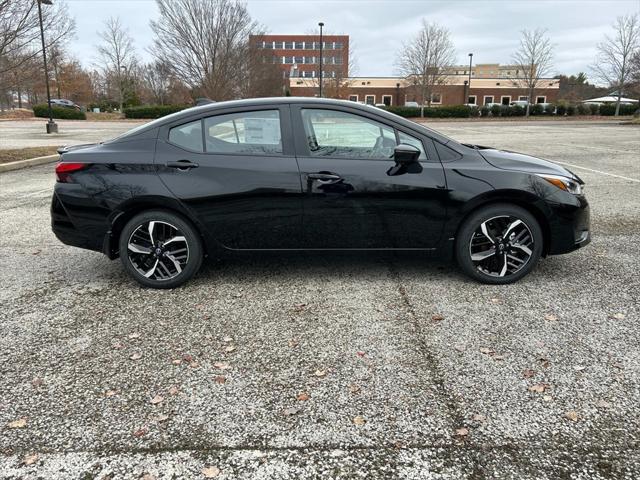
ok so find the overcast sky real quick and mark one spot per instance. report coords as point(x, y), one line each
point(490, 29)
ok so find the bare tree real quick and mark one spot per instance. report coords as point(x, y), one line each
point(205, 42)
point(156, 77)
point(614, 61)
point(117, 56)
point(533, 60)
point(426, 59)
point(20, 29)
point(262, 77)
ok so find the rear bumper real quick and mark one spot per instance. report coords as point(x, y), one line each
point(67, 231)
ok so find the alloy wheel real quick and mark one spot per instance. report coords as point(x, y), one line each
point(501, 246)
point(158, 250)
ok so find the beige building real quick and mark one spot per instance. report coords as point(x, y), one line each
point(489, 84)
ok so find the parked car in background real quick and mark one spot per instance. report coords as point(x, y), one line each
point(310, 174)
point(61, 102)
point(411, 104)
point(520, 103)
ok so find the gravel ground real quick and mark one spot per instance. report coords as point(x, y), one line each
point(340, 366)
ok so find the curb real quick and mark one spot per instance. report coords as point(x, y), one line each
point(30, 162)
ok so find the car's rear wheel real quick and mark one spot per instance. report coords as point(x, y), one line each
point(499, 244)
point(160, 249)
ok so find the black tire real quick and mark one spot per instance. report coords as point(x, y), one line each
point(511, 258)
point(170, 266)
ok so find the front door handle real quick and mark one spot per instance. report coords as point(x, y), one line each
point(182, 164)
point(324, 177)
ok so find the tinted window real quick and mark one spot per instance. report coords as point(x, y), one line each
point(187, 136)
point(341, 134)
point(409, 140)
point(245, 132)
point(446, 154)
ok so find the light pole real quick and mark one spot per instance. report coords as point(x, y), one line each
point(469, 91)
point(52, 127)
point(397, 94)
point(321, 24)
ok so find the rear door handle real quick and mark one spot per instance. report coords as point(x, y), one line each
point(324, 177)
point(182, 164)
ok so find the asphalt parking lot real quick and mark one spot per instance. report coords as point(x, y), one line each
point(329, 366)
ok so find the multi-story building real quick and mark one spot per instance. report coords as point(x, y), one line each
point(502, 86)
point(299, 55)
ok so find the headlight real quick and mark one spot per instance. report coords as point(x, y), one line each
point(564, 183)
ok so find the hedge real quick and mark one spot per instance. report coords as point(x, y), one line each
point(610, 109)
point(152, 111)
point(42, 110)
point(454, 111)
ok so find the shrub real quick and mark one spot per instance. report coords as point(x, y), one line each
point(610, 109)
point(152, 111)
point(454, 111)
point(594, 108)
point(561, 109)
point(474, 111)
point(517, 111)
point(549, 109)
point(42, 110)
point(536, 109)
point(571, 110)
point(582, 109)
point(484, 111)
point(495, 110)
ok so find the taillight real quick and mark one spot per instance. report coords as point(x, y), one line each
point(63, 169)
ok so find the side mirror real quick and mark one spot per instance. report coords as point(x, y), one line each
point(405, 154)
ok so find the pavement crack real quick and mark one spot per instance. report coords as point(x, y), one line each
point(446, 395)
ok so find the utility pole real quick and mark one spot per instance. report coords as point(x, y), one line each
point(321, 24)
point(52, 127)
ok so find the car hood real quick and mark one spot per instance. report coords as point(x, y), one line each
point(520, 162)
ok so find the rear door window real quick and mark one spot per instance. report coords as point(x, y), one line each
point(188, 136)
point(255, 132)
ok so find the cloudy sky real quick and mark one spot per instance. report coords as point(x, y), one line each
point(488, 28)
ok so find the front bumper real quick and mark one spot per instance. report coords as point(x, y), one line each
point(569, 226)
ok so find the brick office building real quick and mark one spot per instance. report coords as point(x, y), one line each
point(490, 83)
point(298, 55)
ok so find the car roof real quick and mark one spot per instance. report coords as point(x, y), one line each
point(272, 101)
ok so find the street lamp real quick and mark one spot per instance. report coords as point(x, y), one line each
point(52, 127)
point(321, 24)
point(466, 91)
point(469, 92)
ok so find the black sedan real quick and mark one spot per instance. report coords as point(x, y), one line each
point(310, 174)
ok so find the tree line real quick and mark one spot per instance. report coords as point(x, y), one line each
point(202, 48)
point(429, 57)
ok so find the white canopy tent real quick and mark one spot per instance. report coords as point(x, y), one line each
point(611, 99)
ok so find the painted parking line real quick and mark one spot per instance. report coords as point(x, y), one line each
point(593, 147)
point(597, 171)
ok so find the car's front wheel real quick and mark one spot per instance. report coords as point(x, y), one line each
point(160, 249)
point(499, 244)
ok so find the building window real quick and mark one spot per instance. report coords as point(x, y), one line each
point(288, 45)
point(387, 100)
point(488, 99)
point(277, 45)
point(471, 100)
point(299, 59)
point(299, 45)
point(541, 99)
point(505, 100)
point(370, 99)
point(523, 98)
point(338, 45)
point(353, 98)
point(436, 98)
